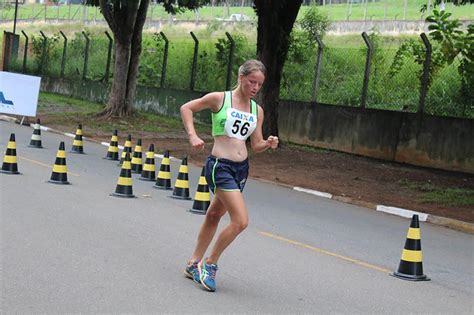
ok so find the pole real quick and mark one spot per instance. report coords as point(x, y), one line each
point(16, 13)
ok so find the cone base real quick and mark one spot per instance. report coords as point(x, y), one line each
point(35, 146)
point(57, 182)
point(10, 172)
point(77, 152)
point(110, 159)
point(180, 198)
point(409, 277)
point(163, 188)
point(122, 195)
point(197, 211)
point(146, 179)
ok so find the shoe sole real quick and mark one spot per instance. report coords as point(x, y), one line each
point(200, 279)
point(190, 276)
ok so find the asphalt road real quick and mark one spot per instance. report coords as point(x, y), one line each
point(74, 248)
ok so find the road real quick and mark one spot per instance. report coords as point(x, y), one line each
point(74, 248)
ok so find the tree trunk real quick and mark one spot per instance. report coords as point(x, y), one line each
point(275, 21)
point(136, 50)
point(126, 23)
point(116, 106)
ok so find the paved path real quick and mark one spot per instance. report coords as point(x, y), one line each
point(76, 249)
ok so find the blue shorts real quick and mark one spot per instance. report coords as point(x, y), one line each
point(225, 174)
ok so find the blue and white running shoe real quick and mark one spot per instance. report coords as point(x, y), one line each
point(192, 271)
point(207, 275)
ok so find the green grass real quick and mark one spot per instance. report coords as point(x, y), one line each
point(380, 10)
point(50, 101)
point(64, 110)
point(431, 193)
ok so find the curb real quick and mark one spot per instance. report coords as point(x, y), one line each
point(458, 225)
point(70, 135)
point(406, 213)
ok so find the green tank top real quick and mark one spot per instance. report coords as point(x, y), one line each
point(219, 118)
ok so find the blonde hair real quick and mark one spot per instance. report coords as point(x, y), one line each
point(250, 66)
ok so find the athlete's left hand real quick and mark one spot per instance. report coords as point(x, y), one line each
point(272, 142)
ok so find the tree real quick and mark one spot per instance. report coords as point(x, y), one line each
point(126, 19)
point(275, 22)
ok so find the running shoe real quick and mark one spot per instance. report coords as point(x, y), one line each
point(207, 275)
point(192, 271)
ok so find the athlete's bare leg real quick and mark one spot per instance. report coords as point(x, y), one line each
point(233, 202)
point(213, 215)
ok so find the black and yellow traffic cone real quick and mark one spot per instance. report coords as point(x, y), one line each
point(112, 152)
point(137, 162)
point(10, 165)
point(148, 172)
point(59, 174)
point(124, 184)
point(127, 148)
point(77, 144)
point(181, 186)
point(411, 265)
point(36, 136)
point(202, 198)
point(163, 180)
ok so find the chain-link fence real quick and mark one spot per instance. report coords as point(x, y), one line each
point(444, 97)
point(367, 75)
point(393, 90)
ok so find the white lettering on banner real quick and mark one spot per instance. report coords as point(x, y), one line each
point(19, 93)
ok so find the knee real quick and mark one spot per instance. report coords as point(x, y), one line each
point(241, 225)
point(213, 217)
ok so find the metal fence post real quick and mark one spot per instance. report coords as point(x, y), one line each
point(25, 53)
point(231, 61)
point(63, 59)
point(318, 69)
point(426, 73)
point(368, 62)
point(109, 58)
point(165, 60)
point(43, 57)
point(195, 58)
point(7, 51)
point(86, 56)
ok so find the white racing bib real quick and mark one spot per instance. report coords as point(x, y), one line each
point(239, 124)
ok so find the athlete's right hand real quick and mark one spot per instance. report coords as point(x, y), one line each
point(196, 143)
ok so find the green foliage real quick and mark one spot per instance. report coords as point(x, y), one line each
point(378, 55)
point(6, 6)
point(223, 47)
point(151, 60)
point(446, 33)
point(44, 51)
point(314, 23)
point(451, 46)
point(450, 196)
point(173, 7)
point(341, 73)
point(453, 43)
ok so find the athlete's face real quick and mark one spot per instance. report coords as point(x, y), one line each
point(252, 83)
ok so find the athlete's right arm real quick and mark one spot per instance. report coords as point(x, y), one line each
point(211, 101)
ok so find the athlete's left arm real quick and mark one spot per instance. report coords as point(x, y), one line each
point(256, 139)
